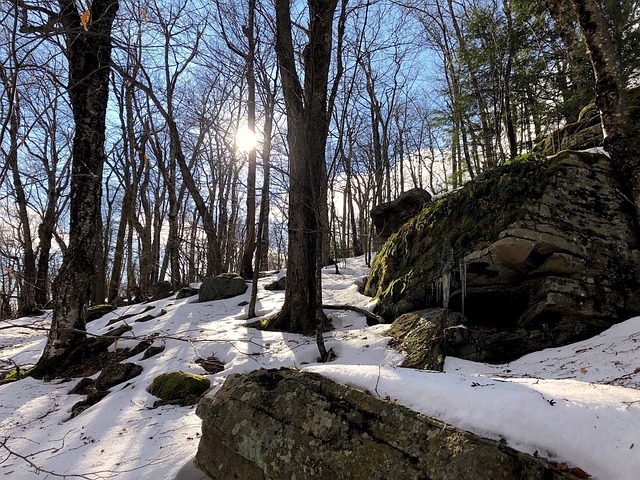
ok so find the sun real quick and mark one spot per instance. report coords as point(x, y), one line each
point(245, 139)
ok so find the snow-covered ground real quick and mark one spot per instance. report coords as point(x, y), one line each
point(579, 404)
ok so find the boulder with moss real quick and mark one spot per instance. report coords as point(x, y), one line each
point(537, 253)
point(387, 218)
point(289, 424)
point(225, 285)
point(98, 311)
point(178, 388)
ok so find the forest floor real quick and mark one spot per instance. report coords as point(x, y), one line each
point(577, 405)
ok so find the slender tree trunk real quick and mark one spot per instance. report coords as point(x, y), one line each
point(89, 55)
point(246, 268)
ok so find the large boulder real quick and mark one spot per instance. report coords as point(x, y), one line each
point(388, 217)
point(225, 285)
point(288, 424)
point(160, 290)
point(537, 253)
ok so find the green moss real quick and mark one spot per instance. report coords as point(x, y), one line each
point(178, 385)
point(97, 311)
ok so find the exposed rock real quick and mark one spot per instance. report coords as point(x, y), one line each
point(211, 365)
point(280, 284)
point(83, 387)
point(186, 292)
point(142, 346)
point(388, 217)
point(160, 290)
point(225, 285)
point(152, 351)
point(112, 374)
point(98, 311)
point(92, 398)
point(116, 373)
point(428, 336)
point(178, 388)
point(285, 424)
point(537, 253)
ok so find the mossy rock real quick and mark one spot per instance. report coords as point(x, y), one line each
point(179, 388)
point(97, 311)
point(452, 225)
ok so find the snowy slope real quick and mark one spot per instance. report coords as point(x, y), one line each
point(578, 404)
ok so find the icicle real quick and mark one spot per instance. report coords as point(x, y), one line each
point(446, 287)
point(463, 281)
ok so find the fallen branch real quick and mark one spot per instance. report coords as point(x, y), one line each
point(370, 315)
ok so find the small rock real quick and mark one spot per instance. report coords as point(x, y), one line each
point(115, 373)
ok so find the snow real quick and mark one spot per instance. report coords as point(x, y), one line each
point(578, 404)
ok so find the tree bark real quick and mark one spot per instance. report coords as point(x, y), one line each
point(88, 50)
point(611, 96)
point(307, 129)
point(246, 268)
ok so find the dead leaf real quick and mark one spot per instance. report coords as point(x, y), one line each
point(84, 19)
point(144, 14)
point(583, 370)
point(578, 472)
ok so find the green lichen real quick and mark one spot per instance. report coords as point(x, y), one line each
point(14, 375)
point(178, 385)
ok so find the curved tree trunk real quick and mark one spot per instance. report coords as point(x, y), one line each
point(88, 50)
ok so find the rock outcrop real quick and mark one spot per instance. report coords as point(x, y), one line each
point(285, 424)
point(225, 285)
point(537, 253)
point(586, 132)
point(388, 217)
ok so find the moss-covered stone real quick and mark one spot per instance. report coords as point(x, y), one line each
point(98, 311)
point(537, 253)
point(289, 424)
point(179, 388)
point(452, 225)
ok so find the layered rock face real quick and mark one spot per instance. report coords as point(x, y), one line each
point(538, 253)
point(388, 217)
point(285, 424)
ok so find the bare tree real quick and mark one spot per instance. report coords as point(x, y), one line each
point(307, 128)
point(88, 50)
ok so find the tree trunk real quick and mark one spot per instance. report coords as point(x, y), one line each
point(611, 97)
point(88, 51)
point(307, 129)
point(246, 268)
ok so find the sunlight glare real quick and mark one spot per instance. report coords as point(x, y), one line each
point(245, 139)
